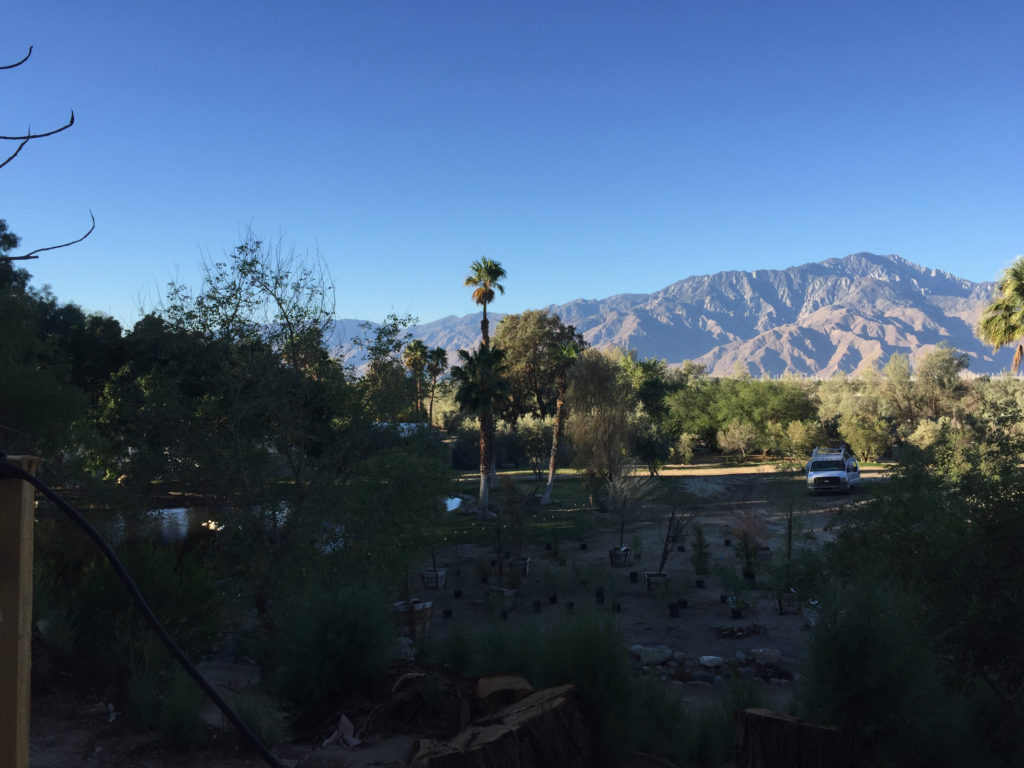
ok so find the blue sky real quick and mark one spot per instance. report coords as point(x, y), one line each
point(592, 148)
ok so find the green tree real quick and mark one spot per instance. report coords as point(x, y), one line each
point(937, 380)
point(481, 389)
point(484, 276)
point(384, 384)
point(415, 359)
point(564, 358)
point(598, 423)
point(1002, 321)
point(437, 364)
point(532, 341)
point(737, 437)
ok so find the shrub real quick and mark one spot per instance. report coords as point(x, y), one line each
point(871, 671)
point(328, 639)
point(180, 708)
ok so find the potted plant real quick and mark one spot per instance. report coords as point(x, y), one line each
point(623, 493)
point(676, 526)
point(395, 525)
point(750, 536)
point(701, 556)
point(513, 530)
point(434, 577)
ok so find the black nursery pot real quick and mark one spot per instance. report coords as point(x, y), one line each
point(699, 583)
point(536, 606)
point(673, 610)
point(634, 577)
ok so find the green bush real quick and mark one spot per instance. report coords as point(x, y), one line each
point(871, 671)
point(180, 708)
point(328, 640)
point(626, 712)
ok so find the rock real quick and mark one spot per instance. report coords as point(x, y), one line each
point(655, 654)
point(746, 673)
point(711, 661)
point(702, 676)
point(719, 681)
point(767, 655)
point(741, 657)
point(698, 684)
point(678, 656)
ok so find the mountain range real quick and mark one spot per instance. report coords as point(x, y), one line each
point(817, 319)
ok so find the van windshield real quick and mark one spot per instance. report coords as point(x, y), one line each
point(827, 466)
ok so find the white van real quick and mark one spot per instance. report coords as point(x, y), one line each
point(832, 470)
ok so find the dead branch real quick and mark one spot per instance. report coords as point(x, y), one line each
point(18, 63)
point(32, 254)
point(29, 136)
point(20, 147)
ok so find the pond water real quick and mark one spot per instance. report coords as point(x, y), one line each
point(173, 524)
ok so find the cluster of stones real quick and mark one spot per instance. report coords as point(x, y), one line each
point(669, 665)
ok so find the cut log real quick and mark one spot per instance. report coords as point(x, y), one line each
point(766, 739)
point(498, 691)
point(547, 729)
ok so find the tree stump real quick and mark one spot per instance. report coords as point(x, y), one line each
point(767, 739)
point(546, 729)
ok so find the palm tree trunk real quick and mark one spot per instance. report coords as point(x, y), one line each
point(430, 413)
point(485, 328)
point(485, 462)
point(556, 441)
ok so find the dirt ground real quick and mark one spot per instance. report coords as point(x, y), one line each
point(74, 725)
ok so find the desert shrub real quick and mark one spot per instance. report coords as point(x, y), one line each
point(701, 555)
point(261, 717)
point(180, 706)
point(327, 639)
point(626, 712)
point(871, 670)
point(181, 592)
point(465, 447)
point(684, 448)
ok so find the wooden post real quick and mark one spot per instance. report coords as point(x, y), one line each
point(16, 521)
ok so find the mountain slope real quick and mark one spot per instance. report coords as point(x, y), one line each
point(815, 319)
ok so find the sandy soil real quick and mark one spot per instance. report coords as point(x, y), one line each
point(73, 724)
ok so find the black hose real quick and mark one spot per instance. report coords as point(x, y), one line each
point(8, 470)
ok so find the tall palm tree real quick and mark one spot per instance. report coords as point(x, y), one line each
point(415, 358)
point(481, 388)
point(437, 364)
point(483, 279)
point(1002, 322)
point(564, 358)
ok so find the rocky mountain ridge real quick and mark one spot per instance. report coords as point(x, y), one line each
point(817, 319)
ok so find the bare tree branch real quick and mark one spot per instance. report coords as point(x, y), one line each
point(18, 63)
point(32, 254)
point(20, 147)
point(30, 135)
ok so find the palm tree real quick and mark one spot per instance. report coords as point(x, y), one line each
point(1002, 322)
point(415, 358)
point(437, 364)
point(481, 388)
point(565, 357)
point(483, 278)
